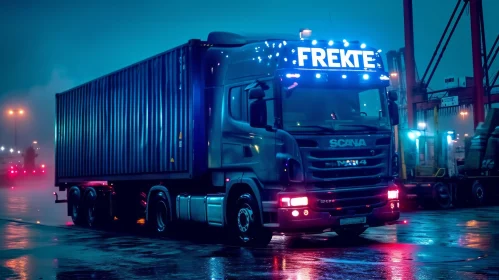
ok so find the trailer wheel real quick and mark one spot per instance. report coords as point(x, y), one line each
point(159, 214)
point(245, 226)
point(75, 210)
point(90, 207)
point(352, 232)
point(442, 195)
point(478, 193)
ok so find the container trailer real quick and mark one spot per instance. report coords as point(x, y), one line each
point(259, 134)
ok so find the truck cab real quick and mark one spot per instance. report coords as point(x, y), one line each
point(311, 122)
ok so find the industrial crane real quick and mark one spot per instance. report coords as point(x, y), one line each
point(417, 91)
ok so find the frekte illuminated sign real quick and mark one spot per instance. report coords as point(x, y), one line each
point(336, 58)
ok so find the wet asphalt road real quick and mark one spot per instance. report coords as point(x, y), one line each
point(37, 241)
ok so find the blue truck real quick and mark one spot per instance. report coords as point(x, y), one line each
point(259, 134)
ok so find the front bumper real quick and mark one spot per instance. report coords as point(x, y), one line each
point(309, 221)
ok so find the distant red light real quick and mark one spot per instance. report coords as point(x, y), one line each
point(43, 165)
point(405, 221)
point(34, 171)
point(43, 171)
point(12, 171)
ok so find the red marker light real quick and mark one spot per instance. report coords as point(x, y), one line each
point(43, 165)
point(405, 221)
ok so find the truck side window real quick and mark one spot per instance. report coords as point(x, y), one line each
point(236, 103)
point(270, 105)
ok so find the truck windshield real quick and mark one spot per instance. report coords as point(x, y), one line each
point(310, 108)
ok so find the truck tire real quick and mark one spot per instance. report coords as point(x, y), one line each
point(159, 213)
point(352, 232)
point(478, 194)
point(75, 211)
point(442, 195)
point(89, 203)
point(245, 226)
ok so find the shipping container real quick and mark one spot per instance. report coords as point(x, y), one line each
point(135, 123)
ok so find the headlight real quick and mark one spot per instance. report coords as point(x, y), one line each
point(294, 201)
point(394, 194)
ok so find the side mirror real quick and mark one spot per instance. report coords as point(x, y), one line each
point(393, 109)
point(256, 93)
point(258, 113)
point(392, 95)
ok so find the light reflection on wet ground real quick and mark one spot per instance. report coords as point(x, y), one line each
point(454, 244)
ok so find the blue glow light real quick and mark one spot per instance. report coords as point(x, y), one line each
point(318, 76)
point(362, 46)
point(411, 135)
point(343, 76)
point(331, 43)
point(384, 78)
point(365, 77)
point(314, 42)
point(345, 43)
point(292, 75)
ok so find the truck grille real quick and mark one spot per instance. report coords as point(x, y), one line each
point(347, 164)
point(347, 178)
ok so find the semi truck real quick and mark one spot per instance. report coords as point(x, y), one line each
point(258, 134)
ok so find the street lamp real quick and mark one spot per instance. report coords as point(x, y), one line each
point(15, 114)
point(11, 150)
point(2, 148)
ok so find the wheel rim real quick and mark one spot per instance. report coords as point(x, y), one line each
point(91, 209)
point(244, 220)
point(75, 210)
point(161, 215)
point(443, 196)
point(74, 205)
point(479, 193)
point(91, 212)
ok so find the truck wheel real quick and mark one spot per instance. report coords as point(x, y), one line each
point(74, 207)
point(350, 232)
point(159, 213)
point(245, 224)
point(478, 193)
point(442, 195)
point(90, 209)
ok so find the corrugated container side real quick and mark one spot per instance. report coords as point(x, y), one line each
point(136, 121)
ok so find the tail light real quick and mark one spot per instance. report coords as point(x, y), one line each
point(294, 201)
point(393, 194)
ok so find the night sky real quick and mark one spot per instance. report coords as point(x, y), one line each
point(51, 45)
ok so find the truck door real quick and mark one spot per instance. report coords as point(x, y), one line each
point(244, 146)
